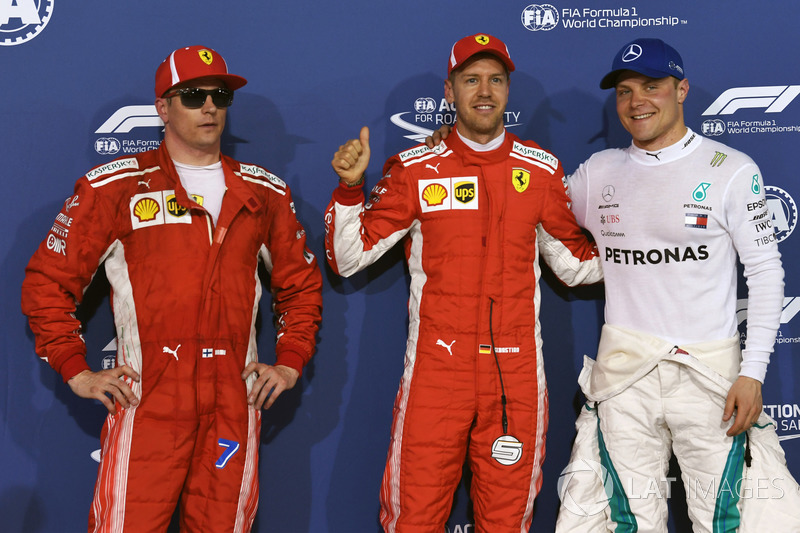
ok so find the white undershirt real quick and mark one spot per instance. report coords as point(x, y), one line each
point(206, 185)
point(488, 147)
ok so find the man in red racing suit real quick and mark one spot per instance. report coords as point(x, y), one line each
point(187, 390)
point(468, 213)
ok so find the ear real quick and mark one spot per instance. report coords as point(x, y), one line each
point(162, 108)
point(448, 91)
point(683, 90)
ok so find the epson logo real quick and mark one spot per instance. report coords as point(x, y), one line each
point(773, 99)
point(22, 20)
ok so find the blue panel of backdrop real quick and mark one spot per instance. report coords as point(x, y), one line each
point(79, 91)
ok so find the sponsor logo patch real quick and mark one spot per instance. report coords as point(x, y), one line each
point(521, 178)
point(156, 208)
point(695, 220)
point(439, 194)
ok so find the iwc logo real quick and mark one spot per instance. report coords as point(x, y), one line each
point(22, 20)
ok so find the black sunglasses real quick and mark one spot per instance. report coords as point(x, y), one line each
point(195, 97)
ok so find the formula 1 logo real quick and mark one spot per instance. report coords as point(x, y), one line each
point(129, 117)
point(22, 20)
point(773, 99)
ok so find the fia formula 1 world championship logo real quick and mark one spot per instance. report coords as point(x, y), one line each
point(22, 20)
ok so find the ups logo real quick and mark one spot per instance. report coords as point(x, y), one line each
point(465, 191)
point(174, 208)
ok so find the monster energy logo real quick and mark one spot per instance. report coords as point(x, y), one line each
point(699, 194)
point(756, 188)
point(719, 157)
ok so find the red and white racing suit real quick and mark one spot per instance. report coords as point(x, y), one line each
point(469, 222)
point(185, 294)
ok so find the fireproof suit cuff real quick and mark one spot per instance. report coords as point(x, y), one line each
point(348, 195)
point(72, 366)
point(291, 356)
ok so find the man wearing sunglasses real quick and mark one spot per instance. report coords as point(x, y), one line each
point(180, 230)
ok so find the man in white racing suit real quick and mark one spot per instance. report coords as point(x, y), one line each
point(671, 214)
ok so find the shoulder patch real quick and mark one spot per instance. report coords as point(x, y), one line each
point(129, 163)
point(421, 153)
point(537, 156)
point(258, 172)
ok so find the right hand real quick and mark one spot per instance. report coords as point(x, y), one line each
point(106, 386)
point(351, 160)
point(432, 141)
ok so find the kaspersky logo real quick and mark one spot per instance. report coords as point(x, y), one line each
point(22, 20)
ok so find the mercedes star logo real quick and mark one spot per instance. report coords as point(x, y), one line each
point(631, 53)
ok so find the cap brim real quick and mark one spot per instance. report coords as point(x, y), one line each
point(231, 81)
point(609, 81)
point(503, 59)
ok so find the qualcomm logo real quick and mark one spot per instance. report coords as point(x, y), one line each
point(538, 17)
point(429, 116)
point(22, 20)
point(773, 99)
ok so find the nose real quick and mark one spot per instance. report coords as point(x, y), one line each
point(637, 98)
point(208, 105)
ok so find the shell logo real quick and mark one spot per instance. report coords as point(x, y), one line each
point(146, 209)
point(434, 194)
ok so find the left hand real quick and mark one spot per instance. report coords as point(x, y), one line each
point(744, 397)
point(271, 382)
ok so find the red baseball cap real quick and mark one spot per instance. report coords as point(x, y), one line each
point(476, 44)
point(191, 63)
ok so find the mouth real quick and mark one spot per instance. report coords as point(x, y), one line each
point(643, 116)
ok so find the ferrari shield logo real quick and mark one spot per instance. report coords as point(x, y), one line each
point(205, 56)
point(520, 178)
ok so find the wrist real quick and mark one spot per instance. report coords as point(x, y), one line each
point(357, 183)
